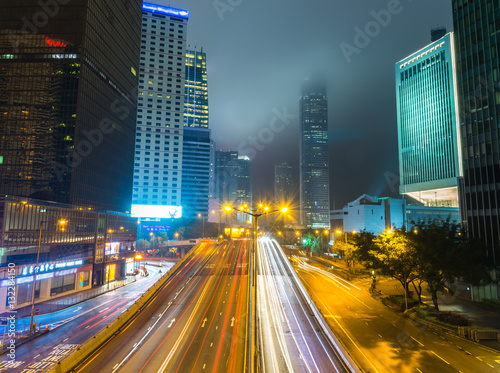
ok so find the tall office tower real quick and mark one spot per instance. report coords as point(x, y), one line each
point(437, 33)
point(68, 75)
point(283, 184)
point(314, 178)
point(244, 187)
point(159, 135)
point(477, 31)
point(226, 180)
point(196, 143)
point(429, 143)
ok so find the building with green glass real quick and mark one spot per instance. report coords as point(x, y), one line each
point(429, 145)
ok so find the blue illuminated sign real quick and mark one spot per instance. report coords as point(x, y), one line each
point(154, 8)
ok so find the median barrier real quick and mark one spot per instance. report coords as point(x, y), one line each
point(68, 363)
point(348, 360)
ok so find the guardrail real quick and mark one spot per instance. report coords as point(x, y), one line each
point(68, 363)
point(348, 360)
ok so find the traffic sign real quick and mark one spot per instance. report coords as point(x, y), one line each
point(37, 311)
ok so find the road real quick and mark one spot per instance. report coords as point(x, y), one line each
point(290, 338)
point(197, 322)
point(70, 327)
point(382, 340)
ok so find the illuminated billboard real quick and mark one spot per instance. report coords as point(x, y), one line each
point(155, 211)
point(154, 8)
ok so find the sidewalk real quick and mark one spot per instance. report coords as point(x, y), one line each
point(52, 305)
point(479, 315)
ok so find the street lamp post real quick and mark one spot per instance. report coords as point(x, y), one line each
point(203, 224)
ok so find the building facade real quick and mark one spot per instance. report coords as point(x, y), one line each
point(429, 142)
point(160, 114)
point(283, 184)
point(314, 173)
point(477, 30)
point(196, 149)
point(376, 215)
point(244, 188)
point(226, 182)
point(78, 247)
point(68, 101)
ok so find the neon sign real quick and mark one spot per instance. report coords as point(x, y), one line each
point(55, 43)
point(165, 10)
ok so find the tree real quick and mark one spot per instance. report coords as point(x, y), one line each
point(444, 254)
point(364, 247)
point(395, 254)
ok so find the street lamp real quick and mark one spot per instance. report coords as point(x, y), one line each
point(203, 220)
point(62, 223)
point(139, 257)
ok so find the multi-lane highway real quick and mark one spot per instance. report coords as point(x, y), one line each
point(290, 338)
point(71, 327)
point(197, 322)
point(381, 340)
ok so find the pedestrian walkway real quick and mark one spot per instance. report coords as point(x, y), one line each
point(479, 315)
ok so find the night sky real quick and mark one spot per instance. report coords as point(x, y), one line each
point(260, 51)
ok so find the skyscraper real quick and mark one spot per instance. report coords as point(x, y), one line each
point(429, 143)
point(159, 135)
point(283, 184)
point(196, 142)
point(314, 178)
point(68, 101)
point(244, 187)
point(477, 29)
point(226, 176)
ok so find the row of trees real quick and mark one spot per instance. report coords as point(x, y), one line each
point(433, 252)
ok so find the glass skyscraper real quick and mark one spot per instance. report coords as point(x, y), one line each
point(283, 184)
point(159, 134)
point(196, 142)
point(429, 145)
point(314, 177)
point(68, 101)
point(477, 30)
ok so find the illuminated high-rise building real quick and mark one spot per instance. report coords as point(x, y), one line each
point(477, 32)
point(196, 142)
point(159, 136)
point(314, 177)
point(429, 144)
point(283, 184)
point(67, 101)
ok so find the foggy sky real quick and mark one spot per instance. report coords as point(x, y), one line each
point(260, 51)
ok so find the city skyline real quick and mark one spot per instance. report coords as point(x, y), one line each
point(362, 95)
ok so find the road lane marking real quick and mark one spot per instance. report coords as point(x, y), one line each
point(419, 370)
point(380, 336)
point(417, 341)
point(440, 358)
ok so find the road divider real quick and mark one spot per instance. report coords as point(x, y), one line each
point(348, 360)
